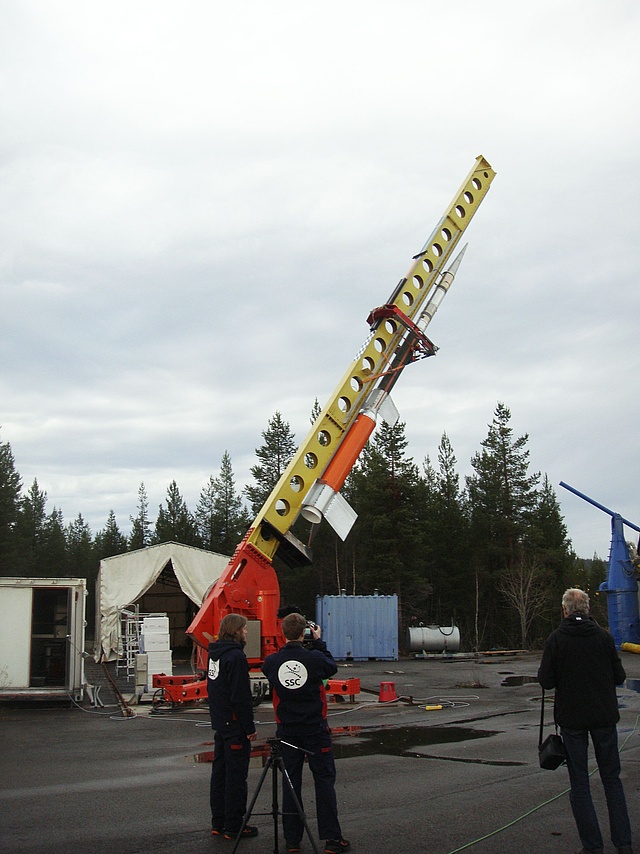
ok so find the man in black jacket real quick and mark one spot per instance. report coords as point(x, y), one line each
point(296, 674)
point(231, 710)
point(581, 662)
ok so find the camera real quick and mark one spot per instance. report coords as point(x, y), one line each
point(285, 610)
point(308, 635)
point(307, 632)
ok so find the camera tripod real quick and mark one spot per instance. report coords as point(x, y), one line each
point(275, 762)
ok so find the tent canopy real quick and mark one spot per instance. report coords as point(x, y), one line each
point(123, 579)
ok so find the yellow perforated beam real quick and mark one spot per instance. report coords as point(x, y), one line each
point(410, 296)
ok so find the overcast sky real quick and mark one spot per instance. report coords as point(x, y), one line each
point(200, 202)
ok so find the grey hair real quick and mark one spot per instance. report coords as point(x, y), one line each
point(575, 601)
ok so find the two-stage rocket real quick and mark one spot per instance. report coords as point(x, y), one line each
point(324, 500)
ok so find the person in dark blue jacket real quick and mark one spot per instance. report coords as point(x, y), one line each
point(231, 710)
point(296, 674)
point(581, 662)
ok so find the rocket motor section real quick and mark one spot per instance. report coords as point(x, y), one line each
point(324, 500)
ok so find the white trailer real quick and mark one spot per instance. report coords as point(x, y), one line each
point(42, 629)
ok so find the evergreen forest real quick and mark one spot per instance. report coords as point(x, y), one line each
point(490, 555)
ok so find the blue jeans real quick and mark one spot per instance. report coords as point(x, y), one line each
point(322, 765)
point(605, 745)
point(228, 791)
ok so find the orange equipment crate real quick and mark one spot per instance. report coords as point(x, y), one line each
point(342, 687)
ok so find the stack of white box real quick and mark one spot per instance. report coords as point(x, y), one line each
point(154, 642)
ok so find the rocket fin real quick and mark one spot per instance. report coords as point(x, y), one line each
point(388, 411)
point(340, 515)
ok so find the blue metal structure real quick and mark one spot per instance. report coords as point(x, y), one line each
point(621, 585)
point(359, 627)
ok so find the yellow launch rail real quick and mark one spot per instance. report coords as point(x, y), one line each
point(375, 359)
point(311, 483)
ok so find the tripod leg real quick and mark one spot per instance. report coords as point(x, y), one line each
point(274, 805)
point(300, 811)
point(247, 815)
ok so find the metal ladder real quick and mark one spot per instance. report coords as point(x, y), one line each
point(131, 622)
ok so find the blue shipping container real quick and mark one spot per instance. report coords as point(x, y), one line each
point(359, 627)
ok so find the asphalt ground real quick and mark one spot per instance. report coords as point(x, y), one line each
point(89, 780)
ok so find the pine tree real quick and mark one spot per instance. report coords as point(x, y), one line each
point(502, 493)
point(427, 513)
point(549, 533)
point(81, 560)
point(548, 541)
point(175, 523)
point(31, 530)
point(386, 539)
point(10, 501)
point(206, 517)
point(316, 409)
point(445, 528)
point(221, 518)
point(54, 563)
point(141, 534)
point(110, 541)
point(502, 498)
point(274, 456)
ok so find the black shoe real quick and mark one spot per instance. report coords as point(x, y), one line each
point(335, 846)
point(217, 831)
point(247, 833)
point(293, 847)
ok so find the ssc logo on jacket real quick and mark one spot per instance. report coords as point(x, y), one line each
point(214, 669)
point(292, 674)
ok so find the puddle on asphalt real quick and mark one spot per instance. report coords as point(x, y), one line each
point(400, 741)
point(519, 680)
point(353, 741)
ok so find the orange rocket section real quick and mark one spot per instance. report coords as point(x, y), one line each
point(357, 437)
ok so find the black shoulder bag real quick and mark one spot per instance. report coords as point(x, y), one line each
point(551, 752)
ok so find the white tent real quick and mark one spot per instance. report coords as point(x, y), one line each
point(123, 579)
